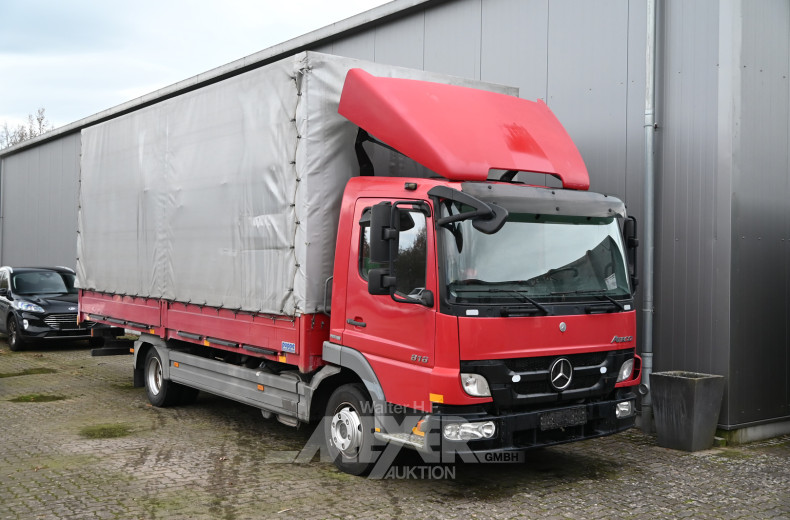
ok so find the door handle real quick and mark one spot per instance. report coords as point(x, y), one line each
point(356, 323)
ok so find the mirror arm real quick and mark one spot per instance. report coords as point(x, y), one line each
point(486, 218)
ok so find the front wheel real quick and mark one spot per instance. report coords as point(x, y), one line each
point(15, 341)
point(348, 429)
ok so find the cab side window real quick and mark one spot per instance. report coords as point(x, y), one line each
point(412, 260)
point(3, 280)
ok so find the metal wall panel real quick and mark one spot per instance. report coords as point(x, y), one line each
point(515, 45)
point(39, 204)
point(360, 46)
point(586, 84)
point(452, 38)
point(635, 108)
point(760, 355)
point(402, 42)
point(687, 296)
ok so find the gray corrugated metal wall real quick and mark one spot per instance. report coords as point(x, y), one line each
point(722, 286)
point(39, 204)
point(760, 218)
point(692, 286)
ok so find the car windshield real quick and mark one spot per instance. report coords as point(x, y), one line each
point(535, 257)
point(43, 282)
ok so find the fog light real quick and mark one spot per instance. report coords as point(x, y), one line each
point(25, 324)
point(626, 370)
point(625, 409)
point(475, 385)
point(469, 431)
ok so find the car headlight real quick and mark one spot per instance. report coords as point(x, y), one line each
point(626, 370)
point(475, 385)
point(22, 305)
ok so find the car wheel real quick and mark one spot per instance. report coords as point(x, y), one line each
point(15, 341)
point(348, 430)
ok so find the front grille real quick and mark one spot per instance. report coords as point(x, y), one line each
point(578, 382)
point(62, 321)
point(539, 364)
point(521, 383)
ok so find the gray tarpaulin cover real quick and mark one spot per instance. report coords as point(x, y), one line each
point(229, 195)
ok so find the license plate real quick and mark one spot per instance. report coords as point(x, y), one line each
point(563, 418)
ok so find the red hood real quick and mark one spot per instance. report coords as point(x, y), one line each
point(505, 338)
point(462, 133)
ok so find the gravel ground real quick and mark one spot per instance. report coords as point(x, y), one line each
point(78, 441)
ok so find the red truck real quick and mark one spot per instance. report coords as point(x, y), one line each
point(359, 246)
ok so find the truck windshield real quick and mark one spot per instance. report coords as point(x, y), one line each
point(550, 259)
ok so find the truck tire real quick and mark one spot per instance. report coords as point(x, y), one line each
point(161, 392)
point(15, 341)
point(348, 430)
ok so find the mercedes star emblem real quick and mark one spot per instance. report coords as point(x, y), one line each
point(560, 374)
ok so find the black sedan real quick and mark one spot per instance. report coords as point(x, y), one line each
point(39, 304)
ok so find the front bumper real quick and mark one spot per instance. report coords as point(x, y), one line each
point(36, 326)
point(519, 431)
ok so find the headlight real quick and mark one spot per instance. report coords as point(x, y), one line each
point(626, 370)
point(22, 305)
point(475, 385)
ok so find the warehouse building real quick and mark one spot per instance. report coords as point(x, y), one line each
point(720, 134)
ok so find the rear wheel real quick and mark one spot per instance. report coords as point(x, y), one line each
point(15, 341)
point(161, 392)
point(348, 429)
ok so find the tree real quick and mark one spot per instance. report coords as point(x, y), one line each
point(36, 125)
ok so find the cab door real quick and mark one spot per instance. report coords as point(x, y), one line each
point(397, 338)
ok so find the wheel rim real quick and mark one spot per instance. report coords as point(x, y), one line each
point(12, 333)
point(154, 376)
point(346, 430)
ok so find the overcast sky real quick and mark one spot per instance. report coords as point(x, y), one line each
point(78, 57)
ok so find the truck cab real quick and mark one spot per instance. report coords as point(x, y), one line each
point(504, 331)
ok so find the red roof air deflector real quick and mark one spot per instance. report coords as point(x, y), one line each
point(461, 133)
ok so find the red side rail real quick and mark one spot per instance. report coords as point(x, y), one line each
point(294, 340)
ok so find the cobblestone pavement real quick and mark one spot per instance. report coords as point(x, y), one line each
point(213, 459)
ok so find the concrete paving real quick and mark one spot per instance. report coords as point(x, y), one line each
point(78, 441)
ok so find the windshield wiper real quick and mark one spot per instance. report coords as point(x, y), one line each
point(622, 307)
point(525, 298)
point(594, 292)
point(518, 294)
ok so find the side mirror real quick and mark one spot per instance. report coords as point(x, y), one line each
point(387, 220)
point(380, 281)
point(382, 235)
point(631, 245)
